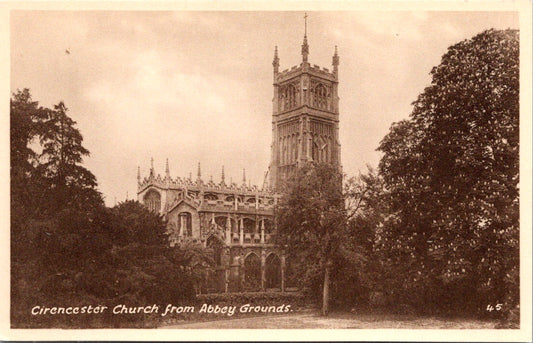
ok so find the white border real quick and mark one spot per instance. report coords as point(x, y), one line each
point(523, 334)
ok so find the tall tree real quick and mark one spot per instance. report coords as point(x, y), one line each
point(71, 184)
point(25, 125)
point(310, 220)
point(451, 172)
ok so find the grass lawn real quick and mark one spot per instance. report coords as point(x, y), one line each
point(312, 320)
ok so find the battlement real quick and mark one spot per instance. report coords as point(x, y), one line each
point(200, 185)
point(312, 69)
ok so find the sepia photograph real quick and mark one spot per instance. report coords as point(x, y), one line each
point(296, 167)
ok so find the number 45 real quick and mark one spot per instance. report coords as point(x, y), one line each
point(491, 308)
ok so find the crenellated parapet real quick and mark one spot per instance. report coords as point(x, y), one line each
point(199, 185)
point(164, 194)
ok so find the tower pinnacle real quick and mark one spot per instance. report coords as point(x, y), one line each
point(167, 170)
point(275, 62)
point(199, 173)
point(335, 62)
point(222, 177)
point(152, 166)
point(305, 46)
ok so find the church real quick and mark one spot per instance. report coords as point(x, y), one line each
point(235, 222)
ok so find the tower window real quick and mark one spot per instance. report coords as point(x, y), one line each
point(320, 96)
point(288, 97)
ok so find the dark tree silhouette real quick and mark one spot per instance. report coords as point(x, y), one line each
point(452, 172)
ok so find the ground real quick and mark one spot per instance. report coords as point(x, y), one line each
point(311, 320)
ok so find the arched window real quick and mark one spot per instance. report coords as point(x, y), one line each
point(152, 200)
point(288, 97)
point(320, 96)
point(252, 272)
point(273, 271)
point(249, 225)
point(185, 224)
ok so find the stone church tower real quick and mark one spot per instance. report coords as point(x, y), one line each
point(305, 117)
point(235, 221)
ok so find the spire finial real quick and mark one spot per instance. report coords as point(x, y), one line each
point(199, 172)
point(305, 19)
point(275, 62)
point(152, 166)
point(305, 46)
point(335, 62)
point(167, 169)
point(222, 176)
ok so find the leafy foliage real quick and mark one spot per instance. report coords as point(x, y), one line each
point(310, 221)
point(66, 247)
point(451, 175)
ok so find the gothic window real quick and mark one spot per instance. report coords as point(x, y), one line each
point(185, 222)
point(320, 96)
point(288, 97)
point(282, 99)
point(273, 271)
point(152, 200)
point(249, 225)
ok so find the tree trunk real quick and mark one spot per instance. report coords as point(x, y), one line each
point(325, 291)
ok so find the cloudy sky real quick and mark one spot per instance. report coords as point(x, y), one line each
point(197, 86)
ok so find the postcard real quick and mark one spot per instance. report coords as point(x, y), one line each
point(303, 170)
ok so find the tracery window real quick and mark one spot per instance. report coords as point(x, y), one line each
point(288, 97)
point(320, 96)
point(152, 200)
